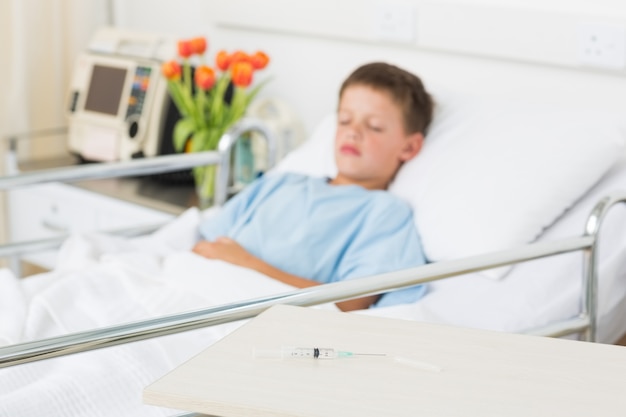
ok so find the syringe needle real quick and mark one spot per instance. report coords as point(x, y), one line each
point(343, 354)
point(370, 354)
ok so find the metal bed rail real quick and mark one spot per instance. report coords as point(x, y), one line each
point(161, 326)
point(157, 164)
point(143, 166)
point(584, 323)
point(30, 246)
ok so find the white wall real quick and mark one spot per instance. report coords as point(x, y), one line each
point(519, 48)
point(527, 49)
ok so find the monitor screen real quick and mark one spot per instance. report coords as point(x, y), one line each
point(105, 89)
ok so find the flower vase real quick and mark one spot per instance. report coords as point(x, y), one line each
point(204, 178)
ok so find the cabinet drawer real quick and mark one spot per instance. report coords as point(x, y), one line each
point(37, 213)
point(53, 210)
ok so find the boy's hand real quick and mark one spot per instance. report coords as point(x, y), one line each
point(226, 250)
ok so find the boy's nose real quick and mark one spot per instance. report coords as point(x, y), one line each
point(353, 133)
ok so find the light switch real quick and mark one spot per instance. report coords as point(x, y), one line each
point(393, 21)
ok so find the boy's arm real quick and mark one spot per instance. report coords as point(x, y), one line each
point(228, 250)
point(387, 242)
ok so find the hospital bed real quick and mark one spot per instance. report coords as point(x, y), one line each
point(563, 277)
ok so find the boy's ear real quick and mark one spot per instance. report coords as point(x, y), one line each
point(412, 146)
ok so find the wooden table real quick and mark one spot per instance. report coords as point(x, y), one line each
point(430, 370)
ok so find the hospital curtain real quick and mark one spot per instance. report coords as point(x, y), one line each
point(39, 40)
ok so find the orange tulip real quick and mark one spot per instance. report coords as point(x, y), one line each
point(204, 77)
point(171, 70)
point(259, 60)
point(239, 56)
point(241, 73)
point(223, 60)
point(185, 49)
point(198, 45)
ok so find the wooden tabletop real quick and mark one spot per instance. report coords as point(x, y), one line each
point(429, 370)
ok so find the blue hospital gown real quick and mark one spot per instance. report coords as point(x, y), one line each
point(310, 228)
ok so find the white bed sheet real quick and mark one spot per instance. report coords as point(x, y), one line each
point(156, 275)
point(102, 281)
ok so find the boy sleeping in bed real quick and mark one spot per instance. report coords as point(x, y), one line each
point(299, 230)
point(306, 231)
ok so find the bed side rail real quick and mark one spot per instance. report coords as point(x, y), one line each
point(30, 246)
point(120, 334)
point(143, 166)
point(157, 164)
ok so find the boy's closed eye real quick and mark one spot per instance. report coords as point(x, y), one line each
point(376, 128)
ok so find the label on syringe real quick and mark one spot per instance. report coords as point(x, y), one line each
point(310, 353)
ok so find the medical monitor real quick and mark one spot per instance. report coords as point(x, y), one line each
point(116, 107)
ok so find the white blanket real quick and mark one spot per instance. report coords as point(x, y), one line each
point(102, 281)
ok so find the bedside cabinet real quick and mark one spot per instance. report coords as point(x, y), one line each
point(54, 210)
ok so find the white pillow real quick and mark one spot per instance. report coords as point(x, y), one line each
point(492, 174)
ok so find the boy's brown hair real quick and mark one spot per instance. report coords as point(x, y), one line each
point(405, 88)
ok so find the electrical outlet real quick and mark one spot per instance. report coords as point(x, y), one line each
point(602, 45)
point(393, 21)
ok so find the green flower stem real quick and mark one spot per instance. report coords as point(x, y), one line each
point(203, 110)
point(174, 89)
point(218, 106)
point(187, 75)
point(187, 94)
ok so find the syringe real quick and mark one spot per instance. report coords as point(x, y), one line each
point(288, 352)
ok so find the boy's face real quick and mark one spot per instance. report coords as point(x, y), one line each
point(371, 141)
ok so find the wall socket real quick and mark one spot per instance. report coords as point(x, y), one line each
point(602, 45)
point(393, 21)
